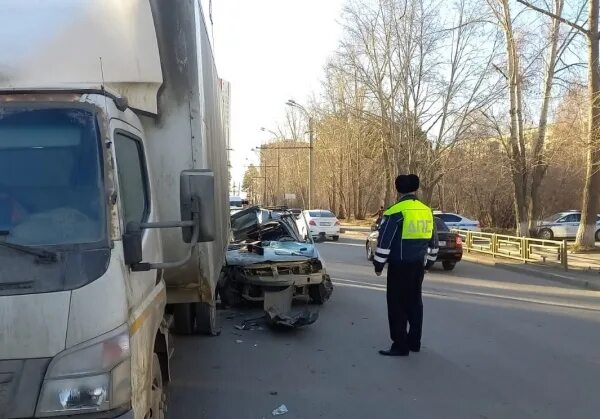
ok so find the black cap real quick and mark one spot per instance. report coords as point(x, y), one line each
point(407, 183)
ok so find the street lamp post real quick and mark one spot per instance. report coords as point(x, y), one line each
point(311, 159)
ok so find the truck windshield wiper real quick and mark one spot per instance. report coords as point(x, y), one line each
point(42, 254)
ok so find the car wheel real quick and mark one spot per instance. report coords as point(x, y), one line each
point(335, 238)
point(546, 234)
point(370, 255)
point(448, 265)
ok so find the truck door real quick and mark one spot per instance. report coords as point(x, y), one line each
point(135, 201)
point(146, 292)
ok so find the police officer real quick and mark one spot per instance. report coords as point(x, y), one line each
point(405, 235)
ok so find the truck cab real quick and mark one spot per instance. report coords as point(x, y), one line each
point(113, 202)
point(74, 174)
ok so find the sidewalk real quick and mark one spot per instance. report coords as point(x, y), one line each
point(585, 261)
point(355, 232)
point(352, 227)
point(581, 278)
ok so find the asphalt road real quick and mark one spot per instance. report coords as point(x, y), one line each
point(496, 345)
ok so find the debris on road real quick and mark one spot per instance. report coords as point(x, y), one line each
point(281, 410)
point(293, 319)
point(239, 341)
point(250, 324)
point(273, 393)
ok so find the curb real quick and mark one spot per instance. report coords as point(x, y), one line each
point(354, 233)
point(529, 269)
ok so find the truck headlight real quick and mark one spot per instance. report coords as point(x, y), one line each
point(92, 377)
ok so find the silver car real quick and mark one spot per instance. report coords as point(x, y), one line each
point(562, 225)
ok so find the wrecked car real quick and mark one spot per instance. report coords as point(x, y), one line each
point(269, 260)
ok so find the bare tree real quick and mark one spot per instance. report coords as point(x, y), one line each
point(586, 235)
point(554, 54)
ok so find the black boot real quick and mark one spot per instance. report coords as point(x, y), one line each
point(394, 352)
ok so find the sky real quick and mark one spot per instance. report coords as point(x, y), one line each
point(270, 51)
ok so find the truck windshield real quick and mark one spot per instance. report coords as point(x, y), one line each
point(50, 177)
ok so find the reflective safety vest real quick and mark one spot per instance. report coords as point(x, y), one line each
point(406, 232)
point(417, 218)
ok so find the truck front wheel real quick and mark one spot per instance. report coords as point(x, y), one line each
point(158, 405)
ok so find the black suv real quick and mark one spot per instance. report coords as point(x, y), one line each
point(450, 246)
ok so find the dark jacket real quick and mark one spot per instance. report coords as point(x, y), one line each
point(392, 248)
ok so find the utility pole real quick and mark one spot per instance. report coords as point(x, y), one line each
point(264, 203)
point(278, 176)
point(311, 159)
point(278, 185)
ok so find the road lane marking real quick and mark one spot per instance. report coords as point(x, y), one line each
point(356, 282)
point(345, 244)
point(519, 299)
point(341, 284)
point(458, 293)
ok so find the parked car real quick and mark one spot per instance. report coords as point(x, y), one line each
point(458, 221)
point(562, 225)
point(450, 246)
point(322, 223)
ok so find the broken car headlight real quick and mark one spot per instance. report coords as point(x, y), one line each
point(92, 377)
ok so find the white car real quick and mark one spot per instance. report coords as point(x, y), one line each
point(562, 225)
point(322, 223)
point(457, 221)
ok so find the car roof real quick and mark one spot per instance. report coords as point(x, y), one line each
point(445, 212)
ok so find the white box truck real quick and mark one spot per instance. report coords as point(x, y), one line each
point(113, 201)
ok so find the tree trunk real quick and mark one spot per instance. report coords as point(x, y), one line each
point(589, 208)
point(539, 163)
point(387, 176)
point(342, 209)
point(427, 193)
point(517, 148)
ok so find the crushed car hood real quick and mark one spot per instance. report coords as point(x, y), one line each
point(273, 252)
point(267, 236)
point(259, 224)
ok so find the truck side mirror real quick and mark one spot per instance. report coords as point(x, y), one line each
point(197, 202)
point(132, 244)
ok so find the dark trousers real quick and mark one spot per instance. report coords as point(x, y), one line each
point(405, 304)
